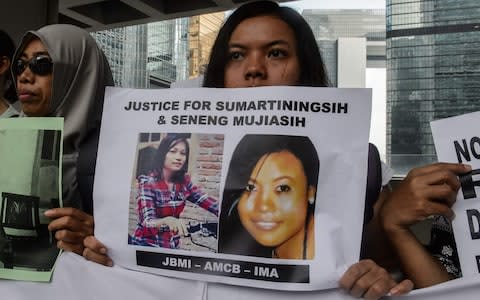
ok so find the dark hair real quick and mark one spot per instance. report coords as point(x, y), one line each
point(312, 69)
point(7, 48)
point(233, 238)
point(166, 144)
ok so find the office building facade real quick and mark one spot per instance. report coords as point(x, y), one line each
point(126, 52)
point(167, 52)
point(147, 56)
point(328, 25)
point(433, 72)
point(156, 54)
point(202, 32)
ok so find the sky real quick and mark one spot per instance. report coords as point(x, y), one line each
point(376, 79)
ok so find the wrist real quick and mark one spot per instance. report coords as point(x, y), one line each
point(391, 227)
point(397, 233)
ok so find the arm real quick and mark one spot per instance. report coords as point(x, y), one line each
point(174, 224)
point(419, 265)
point(375, 242)
point(198, 197)
point(367, 278)
point(426, 191)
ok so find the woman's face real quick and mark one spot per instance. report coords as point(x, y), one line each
point(176, 157)
point(273, 207)
point(262, 52)
point(34, 91)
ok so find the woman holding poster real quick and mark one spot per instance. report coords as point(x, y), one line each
point(263, 44)
point(269, 198)
point(162, 196)
point(60, 71)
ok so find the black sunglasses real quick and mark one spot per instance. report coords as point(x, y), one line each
point(39, 65)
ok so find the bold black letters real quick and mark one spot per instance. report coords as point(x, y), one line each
point(462, 151)
point(468, 184)
point(478, 262)
point(471, 214)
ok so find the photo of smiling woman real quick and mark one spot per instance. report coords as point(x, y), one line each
point(269, 198)
point(163, 190)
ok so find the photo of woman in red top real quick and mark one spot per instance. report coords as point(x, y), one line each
point(162, 196)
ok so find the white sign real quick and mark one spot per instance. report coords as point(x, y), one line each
point(259, 187)
point(457, 139)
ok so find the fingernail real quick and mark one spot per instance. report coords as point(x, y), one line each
point(110, 263)
point(467, 167)
point(393, 292)
point(103, 250)
point(48, 212)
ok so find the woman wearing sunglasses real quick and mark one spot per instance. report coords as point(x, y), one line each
point(61, 72)
point(7, 89)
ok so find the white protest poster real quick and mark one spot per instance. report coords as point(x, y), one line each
point(259, 187)
point(457, 140)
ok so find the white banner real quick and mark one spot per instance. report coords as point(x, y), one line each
point(87, 280)
point(457, 140)
point(278, 170)
point(463, 288)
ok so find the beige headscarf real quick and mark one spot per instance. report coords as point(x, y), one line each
point(80, 74)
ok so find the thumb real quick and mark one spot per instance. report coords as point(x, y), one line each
point(402, 288)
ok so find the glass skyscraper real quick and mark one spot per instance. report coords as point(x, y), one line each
point(433, 72)
point(148, 55)
point(330, 24)
point(156, 54)
point(167, 51)
point(202, 32)
point(126, 52)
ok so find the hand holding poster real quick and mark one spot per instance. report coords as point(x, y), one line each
point(241, 186)
point(457, 140)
